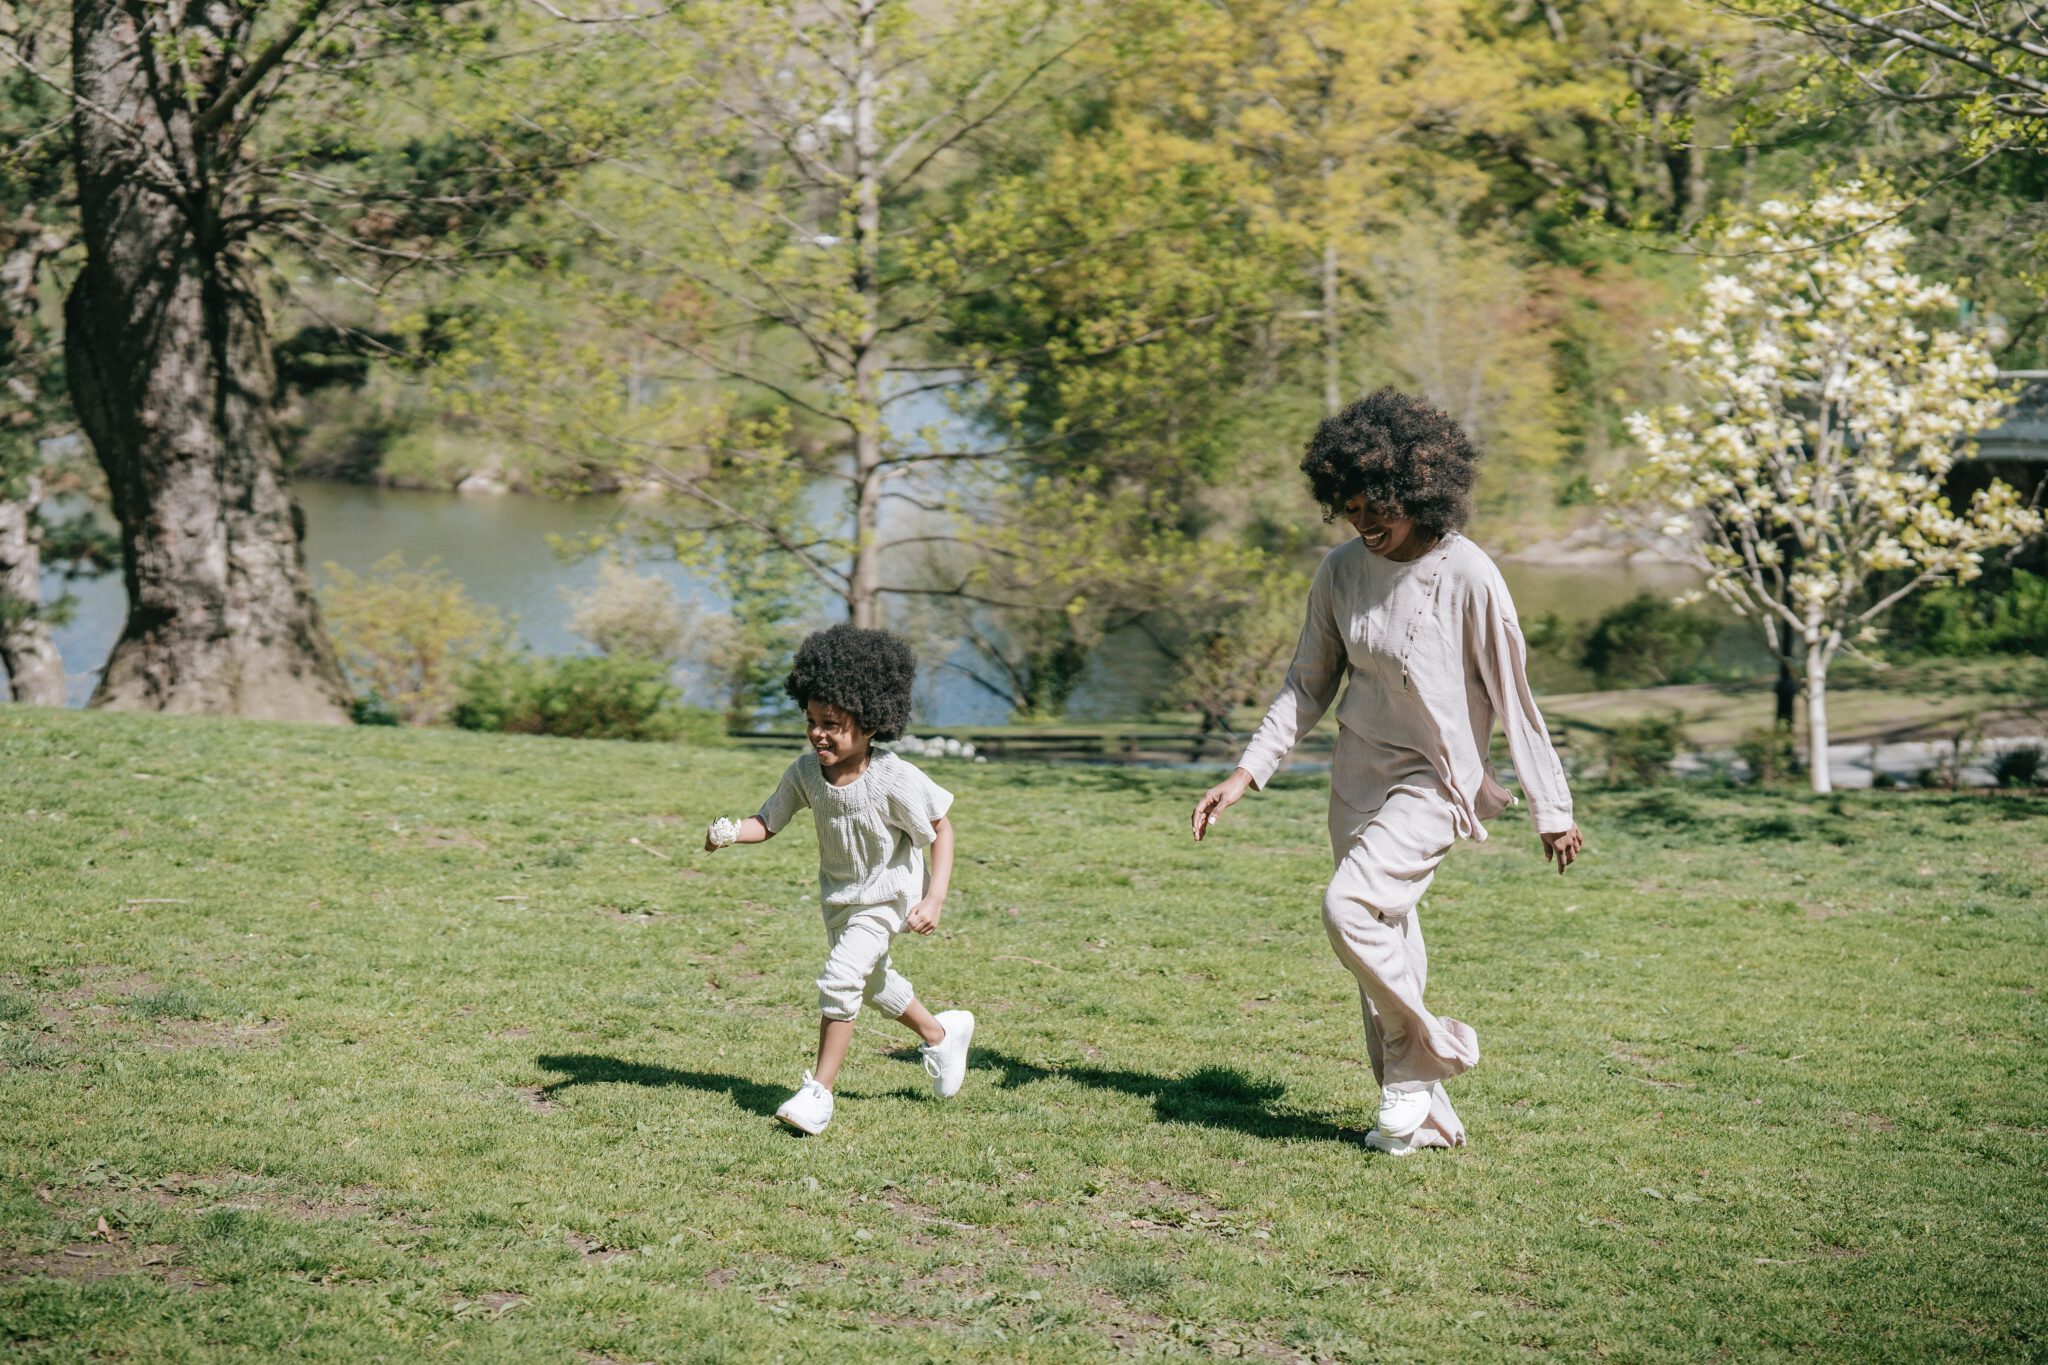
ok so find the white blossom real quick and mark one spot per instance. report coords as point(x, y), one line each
point(1828, 408)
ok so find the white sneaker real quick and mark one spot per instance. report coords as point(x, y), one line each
point(809, 1109)
point(1380, 1142)
point(1401, 1114)
point(946, 1060)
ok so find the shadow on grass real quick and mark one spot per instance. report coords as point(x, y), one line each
point(582, 1068)
point(1211, 1097)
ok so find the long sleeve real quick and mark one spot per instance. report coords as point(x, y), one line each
point(1503, 662)
point(1311, 685)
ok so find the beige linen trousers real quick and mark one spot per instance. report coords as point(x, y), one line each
point(1433, 654)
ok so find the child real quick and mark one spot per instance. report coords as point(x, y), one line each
point(875, 813)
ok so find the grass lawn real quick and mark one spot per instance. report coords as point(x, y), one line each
point(358, 1044)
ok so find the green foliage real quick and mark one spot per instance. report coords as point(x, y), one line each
point(371, 709)
point(1771, 755)
point(613, 696)
point(2019, 766)
point(635, 615)
point(1638, 752)
point(1648, 641)
point(1233, 649)
point(1996, 614)
point(405, 635)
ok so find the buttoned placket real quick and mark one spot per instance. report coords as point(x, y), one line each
point(1425, 603)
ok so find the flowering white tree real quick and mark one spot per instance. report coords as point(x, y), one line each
point(1807, 481)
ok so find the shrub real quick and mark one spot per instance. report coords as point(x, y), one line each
point(1638, 752)
point(406, 635)
point(633, 614)
point(371, 709)
point(2019, 766)
point(1771, 755)
point(1993, 615)
point(601, 697)
point(1648, 640)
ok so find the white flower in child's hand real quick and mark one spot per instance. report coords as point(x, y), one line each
point(722, 832)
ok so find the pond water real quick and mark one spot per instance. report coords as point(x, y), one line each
point(497, 547)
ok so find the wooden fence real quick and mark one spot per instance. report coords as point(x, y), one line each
point(1080, 746)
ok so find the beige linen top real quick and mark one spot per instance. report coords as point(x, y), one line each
point(1434, 653)
point(872, 832)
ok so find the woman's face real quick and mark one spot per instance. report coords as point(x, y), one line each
point(833, 734)
point(1385, 532)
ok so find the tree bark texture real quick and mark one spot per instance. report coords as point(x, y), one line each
point(864, 597)
point(35, 673)
point(168, 351)
point(1817, 719)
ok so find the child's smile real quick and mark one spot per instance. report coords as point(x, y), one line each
point(840, 744)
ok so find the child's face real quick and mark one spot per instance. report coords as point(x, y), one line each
point(833, 734)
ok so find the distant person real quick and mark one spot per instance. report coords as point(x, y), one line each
point(1419, 619)
point(876, 814)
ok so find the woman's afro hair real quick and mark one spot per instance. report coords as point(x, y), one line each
point(865, 673)
point(1403, 455)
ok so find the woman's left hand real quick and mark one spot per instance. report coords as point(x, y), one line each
point(1563, 848)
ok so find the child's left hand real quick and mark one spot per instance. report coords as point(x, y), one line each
point(923, 917)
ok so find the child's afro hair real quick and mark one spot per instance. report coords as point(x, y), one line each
point(865, 673)
point(1401, 453)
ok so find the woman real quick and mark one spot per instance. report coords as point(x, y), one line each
point(1420, 620)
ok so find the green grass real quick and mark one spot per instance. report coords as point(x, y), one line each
point(355, 1044)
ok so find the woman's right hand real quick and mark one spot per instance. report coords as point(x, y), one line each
point(1218, 799)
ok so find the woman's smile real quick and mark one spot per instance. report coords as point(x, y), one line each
point(1385, 532)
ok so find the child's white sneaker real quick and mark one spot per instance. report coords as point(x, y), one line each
point(946, 1060)
point(1402, 1112)
point(809, 1109)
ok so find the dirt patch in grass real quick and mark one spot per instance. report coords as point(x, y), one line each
point(492, 1303)
point(1634, 1066)
point(229, 1190)
point(944, 1277)
point(591, 1249)
point(1155, 1208)
point(431, 837)
point(98, 982)
point(174, 1035)
point(921, 1215)
point(538, 1098)
point(901, 1322)
point(111, 1254)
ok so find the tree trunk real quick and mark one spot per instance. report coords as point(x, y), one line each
point(1333, 334)
point(864, 598)
point(1817, 718)
point(35, 673)
point(169, 357)
point(1787, 688)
